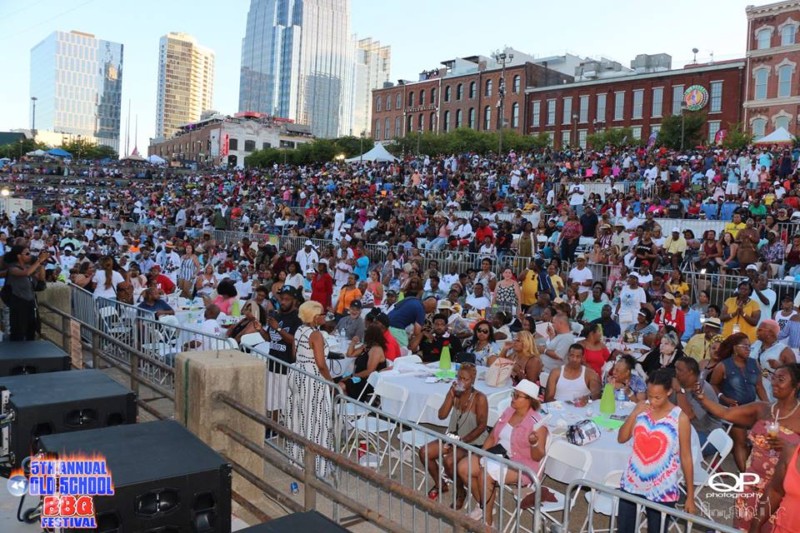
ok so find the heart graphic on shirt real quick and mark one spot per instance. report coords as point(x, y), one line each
point(649, 445)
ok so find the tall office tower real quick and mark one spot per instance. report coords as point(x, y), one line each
point(372, 69)
point(297, 58)
point(185, 82)
point(77, 81)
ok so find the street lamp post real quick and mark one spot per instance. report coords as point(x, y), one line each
point(502, 58)
point(33, 121)
point(683, 123)
point(575, 129)
point(361, 144)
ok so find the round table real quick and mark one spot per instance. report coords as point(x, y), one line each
point(419, 390)
point(607, 454)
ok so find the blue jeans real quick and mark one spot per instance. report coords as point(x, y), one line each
point(626, 517)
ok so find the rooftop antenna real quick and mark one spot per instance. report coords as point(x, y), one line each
point(694, 51)
point(128, 130)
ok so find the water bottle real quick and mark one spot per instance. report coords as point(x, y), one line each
point(619, 395)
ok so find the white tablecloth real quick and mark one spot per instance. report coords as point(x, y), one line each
point(607, 453)
point(418, 393)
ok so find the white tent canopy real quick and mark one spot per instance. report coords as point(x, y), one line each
point(37, 153)
point(378, 153)
point(156, 160)
point(778, 136)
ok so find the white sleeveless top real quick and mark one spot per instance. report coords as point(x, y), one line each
point(569, 389)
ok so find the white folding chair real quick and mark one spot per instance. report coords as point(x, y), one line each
point(577, 461)
point(723, 443)
point(498, 402)
point(601, 503)
point(377, 429)
point(411, 440)
point(350, 411)
point(250, 340)
point(406, 361)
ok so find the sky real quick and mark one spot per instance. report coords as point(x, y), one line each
point(422, 33)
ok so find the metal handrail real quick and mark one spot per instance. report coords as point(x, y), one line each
point(691, 520)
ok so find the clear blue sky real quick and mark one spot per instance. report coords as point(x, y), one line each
point(421, 33)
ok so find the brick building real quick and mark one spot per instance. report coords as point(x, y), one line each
point(465, 93)
point(572, 111)
point(773, 54)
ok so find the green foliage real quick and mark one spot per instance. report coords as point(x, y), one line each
point(467, 140)
point(19, 149)
point(670, 133)
point(737, 138)
point(318, 151)
point(84, 149)
point(615, 137)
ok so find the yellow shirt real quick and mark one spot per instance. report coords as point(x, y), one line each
point(733, 229)
point(697, 347)
point(750, 308)
point(769, 199)
point(681, 287)
point(530, 287)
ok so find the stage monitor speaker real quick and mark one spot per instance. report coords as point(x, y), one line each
point(166, 480)
point(32, 357)
point(297, 522)
point(59, 402)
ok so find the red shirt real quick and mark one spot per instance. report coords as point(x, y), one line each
point(675, 319)
point(322, 289)
point(392, 346)
point(482, 233)
point(165, 284)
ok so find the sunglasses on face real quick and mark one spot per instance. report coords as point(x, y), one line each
point(483, 331)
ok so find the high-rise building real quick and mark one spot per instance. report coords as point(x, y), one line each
point(297, 58)
point(77, 81)
point(372, 70)
point(185, 82)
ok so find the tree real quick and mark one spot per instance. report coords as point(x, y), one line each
point(615, 137)
point(20, 148)
point(670, 133)
point(736, 139)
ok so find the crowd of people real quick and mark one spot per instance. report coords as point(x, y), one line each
point(570, 290)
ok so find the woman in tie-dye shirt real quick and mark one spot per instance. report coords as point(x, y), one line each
point(661, 449)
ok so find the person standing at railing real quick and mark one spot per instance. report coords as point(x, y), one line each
point(22, 277)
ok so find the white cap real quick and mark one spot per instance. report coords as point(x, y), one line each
point(752, 267)
point(676, 229)
point(308, 243)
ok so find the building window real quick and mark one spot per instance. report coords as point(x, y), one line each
point(713, 128)
point(233, 144)
point(458, 118)
point(636, 132)
point(782, 122)
point(431, 121)
point(677, 98)
point(387, 132)
point(378, 104)
point(763, 38)
point(582, 138)
point(447, 91)
point(655, 128)
point(565, 138)
point(716, 97)
point(536, 114)
point(488, 91)
point(516, 84)
point(399, 101)
point(619, 105)
point(638, 103)
point(658, 101)
point(422, 97)
point(473, 88)
point(550, 138)
point(583, 110)
point(566, 116)
point(487, 117)
point(389, 103)
point(601, 108)
point(459, 91)
point(433, 95)
point(398, 124)
point(515, 115)
point(785, 81)
point(411, 99)
point(759, 126)
point(788, 34)
point(249, 146)
point(471, 118)
point(378, 129)
point(761, 76)
point(420, 122)
point(551, 112)
point(409, 124)
point(266, 146)
point(447, 121)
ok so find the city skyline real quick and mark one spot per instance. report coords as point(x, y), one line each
point(421, 35)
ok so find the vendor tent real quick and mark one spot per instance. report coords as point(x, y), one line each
point(58, 152)
point(37, 153)
point(156, 160)
point(779, 136)
point(378, 153)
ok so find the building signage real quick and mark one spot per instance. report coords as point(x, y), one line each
point(695, 97)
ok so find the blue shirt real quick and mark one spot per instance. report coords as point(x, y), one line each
point(158, 305)
point(692, 323)
point(407, 312)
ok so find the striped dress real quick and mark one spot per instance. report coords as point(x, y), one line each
point(654, 466)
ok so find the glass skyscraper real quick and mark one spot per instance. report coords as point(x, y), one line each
point(77, 80)
point(297, 63)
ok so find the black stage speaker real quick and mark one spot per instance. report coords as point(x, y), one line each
point(166, 480)
point(297, 523)
point(32, 357)
point(59, 402)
